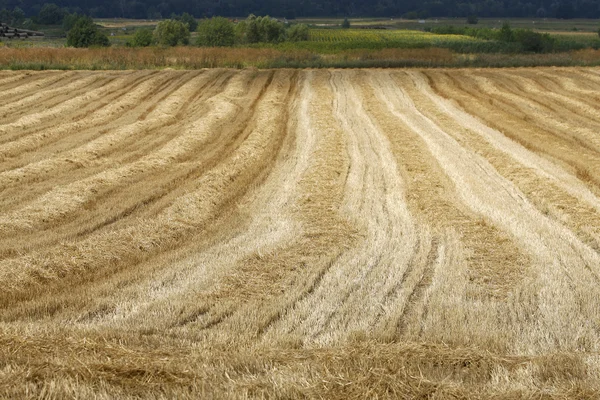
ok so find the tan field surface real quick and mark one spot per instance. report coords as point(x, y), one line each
point(342, 234)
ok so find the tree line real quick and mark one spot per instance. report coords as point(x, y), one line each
point(158, 9)
point(220, 32)
point(213, 32)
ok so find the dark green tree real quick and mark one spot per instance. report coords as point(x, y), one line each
point(216, 32)
point(534, 42)
point(86, 34)
point(346, 23)
point(190, 20)
point(51, 14)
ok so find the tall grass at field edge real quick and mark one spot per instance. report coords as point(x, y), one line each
point(195, 58)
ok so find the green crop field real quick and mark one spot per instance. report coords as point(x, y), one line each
point(380, 35)
point(334, 40)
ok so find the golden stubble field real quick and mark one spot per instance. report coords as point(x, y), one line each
point(299, 233)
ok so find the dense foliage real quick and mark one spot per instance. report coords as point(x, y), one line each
point(86, 34)
point(298, 33)
point(50, 14)
point(188, 19)
point(216, 32)
point(222, 32)
point(260, 30)
point(517, 39)
point(141, 38)
point(172, 32)
point(155, 9)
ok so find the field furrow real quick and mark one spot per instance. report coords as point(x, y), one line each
point(17, 149)
point(30, 83)
point(373, 201)
point(300, 233)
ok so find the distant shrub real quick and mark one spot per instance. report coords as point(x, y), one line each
point(472, 19)
point(216, 32)
point(528, 40)
point(171, 32)
point(141, 38)
point(86, 34)
point(534, 42)
point(298, 33)
point(346, 24)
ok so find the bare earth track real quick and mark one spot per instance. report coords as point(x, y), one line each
point(292, 234)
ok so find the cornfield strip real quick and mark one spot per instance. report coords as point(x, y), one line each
point(300, 233)
point(370, 35)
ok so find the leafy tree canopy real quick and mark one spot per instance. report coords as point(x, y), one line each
point(171, 32)
point(141, 38)
point(216, 32)
point(86, 34)
point(260, 30)
point(298, 32)
point(190, 20)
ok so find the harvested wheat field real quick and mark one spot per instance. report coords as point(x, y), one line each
point(299, 234)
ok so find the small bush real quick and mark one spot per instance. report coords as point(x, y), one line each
point(346, 24)
point(141, 38)
point(533, 41)
point(171, 32)
point(216, 32)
